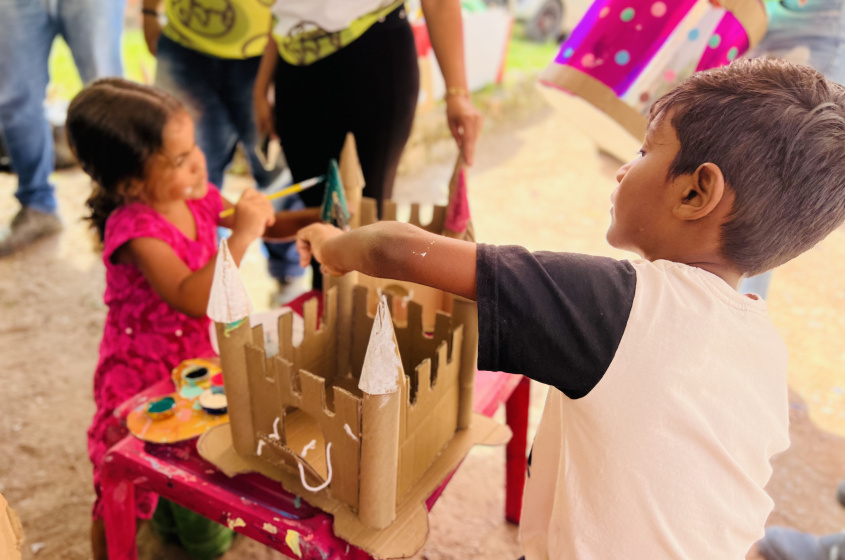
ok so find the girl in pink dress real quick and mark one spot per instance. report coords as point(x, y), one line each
point(156, 217)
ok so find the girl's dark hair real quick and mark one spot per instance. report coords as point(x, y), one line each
point(113, 127)
point(777, 132)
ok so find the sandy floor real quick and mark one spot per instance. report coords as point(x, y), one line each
point(542, 185)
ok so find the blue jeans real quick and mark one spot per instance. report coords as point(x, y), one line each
point(92, 30)
point(218, 92)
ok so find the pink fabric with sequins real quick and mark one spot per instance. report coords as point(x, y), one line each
point(144, 338)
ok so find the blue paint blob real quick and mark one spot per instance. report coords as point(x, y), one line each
point(622, 58)
point(693, 34)
point(568, 52)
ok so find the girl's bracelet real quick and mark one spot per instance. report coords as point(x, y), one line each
point(456, 92)
point(149, 12)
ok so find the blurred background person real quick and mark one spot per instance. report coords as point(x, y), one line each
point(339, 66)
point(92, 30)
point(208, 55)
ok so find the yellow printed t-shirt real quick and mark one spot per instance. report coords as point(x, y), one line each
point(303, 45)
point(221, 28)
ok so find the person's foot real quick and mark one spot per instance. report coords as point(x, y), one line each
point(782, 543)
point(840, 493)
point(27, 226)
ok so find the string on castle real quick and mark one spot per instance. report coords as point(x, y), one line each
point(328, 462)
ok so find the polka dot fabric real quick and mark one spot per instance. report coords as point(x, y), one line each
point(618, 39)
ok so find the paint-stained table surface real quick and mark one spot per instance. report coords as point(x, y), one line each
point(258, 507)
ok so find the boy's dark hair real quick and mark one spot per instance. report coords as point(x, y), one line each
point(777, 132)
point(113, 127)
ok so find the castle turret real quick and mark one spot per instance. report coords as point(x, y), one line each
point(380, 382)
point(229, 307)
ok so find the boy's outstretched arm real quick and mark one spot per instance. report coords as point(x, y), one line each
point(393, 250)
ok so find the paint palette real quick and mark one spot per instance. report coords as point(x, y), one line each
point(198, 404)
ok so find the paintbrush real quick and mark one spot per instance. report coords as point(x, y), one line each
point(299, 187)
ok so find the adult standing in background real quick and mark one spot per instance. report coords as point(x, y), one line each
point(208, 55)
point(92, 30)
point(343, 66)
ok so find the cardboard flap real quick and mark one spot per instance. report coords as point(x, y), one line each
point(402, 538)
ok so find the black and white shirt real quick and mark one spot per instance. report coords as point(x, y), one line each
point(668, 397)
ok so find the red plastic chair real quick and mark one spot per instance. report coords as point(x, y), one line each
point(258, 507)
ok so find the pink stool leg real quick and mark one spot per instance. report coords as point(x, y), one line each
point(118, 513)
point(516, 410)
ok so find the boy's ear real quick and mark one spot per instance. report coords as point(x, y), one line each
point(700, 193)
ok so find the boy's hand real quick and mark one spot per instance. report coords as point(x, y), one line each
point(253, 214)
point(311, 240)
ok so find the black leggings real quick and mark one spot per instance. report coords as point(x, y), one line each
point(369, 88)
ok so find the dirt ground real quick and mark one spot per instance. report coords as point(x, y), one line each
point(542, 185)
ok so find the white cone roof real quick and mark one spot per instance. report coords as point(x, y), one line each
point(229, 301)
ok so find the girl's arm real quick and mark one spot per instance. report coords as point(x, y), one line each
point(261, 89)
point(393, 250)
point(445, 27)
point(180, 287)
point(288, 222)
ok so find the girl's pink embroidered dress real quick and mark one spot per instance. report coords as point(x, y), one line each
point(144, 338)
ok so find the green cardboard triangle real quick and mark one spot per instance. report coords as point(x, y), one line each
point(334, 209)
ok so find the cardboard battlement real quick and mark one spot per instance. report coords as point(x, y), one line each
point(306, 397)
point(303, 416)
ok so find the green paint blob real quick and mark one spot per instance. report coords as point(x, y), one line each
point(732, 53)
point(715, 40)
point(627, 14)
point(161, 405)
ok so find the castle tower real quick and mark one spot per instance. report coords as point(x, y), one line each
point(380, 382)
point(229, 307)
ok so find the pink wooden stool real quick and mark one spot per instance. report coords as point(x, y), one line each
point(260, 508)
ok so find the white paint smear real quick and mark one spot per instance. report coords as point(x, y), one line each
point(349, 431)
point(260, 446)
point(381, 363)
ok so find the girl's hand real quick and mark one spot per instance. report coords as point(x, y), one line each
point(311, 240)
point(253, 214)
point(465, 123)
point(152, 31)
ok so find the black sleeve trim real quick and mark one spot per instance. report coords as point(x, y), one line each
point(557, 318)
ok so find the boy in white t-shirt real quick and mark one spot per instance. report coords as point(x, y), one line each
point(663, 411)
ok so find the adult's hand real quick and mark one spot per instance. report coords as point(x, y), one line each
point(465, 123)
point(152, 31)
point(263, 115)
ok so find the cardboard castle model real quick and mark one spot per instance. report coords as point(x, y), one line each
point(367, 415)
